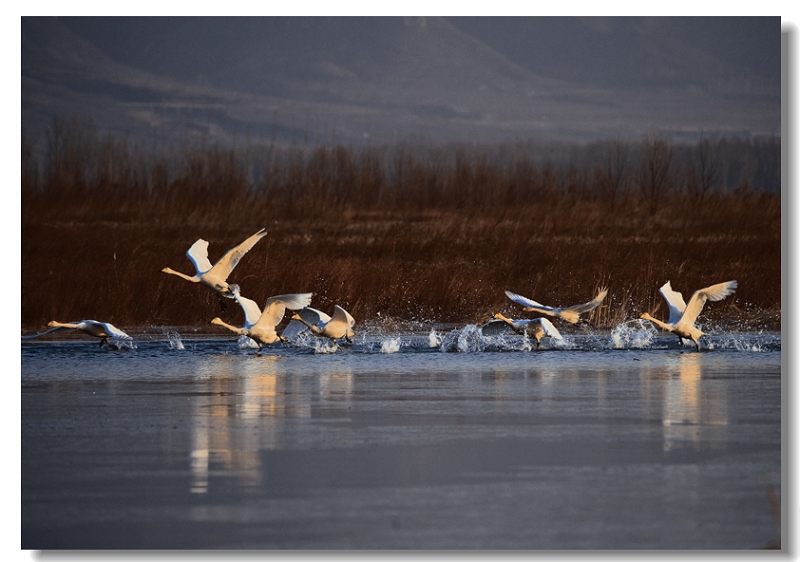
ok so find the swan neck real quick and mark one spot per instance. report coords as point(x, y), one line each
point(194, 279)
point(658, 322)
point(71, 325)
point(220, 322)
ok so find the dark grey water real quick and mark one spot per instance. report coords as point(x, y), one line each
point(618, 441)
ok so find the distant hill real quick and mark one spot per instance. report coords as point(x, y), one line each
point(357, 80)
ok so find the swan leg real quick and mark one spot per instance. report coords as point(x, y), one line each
point(102, 341)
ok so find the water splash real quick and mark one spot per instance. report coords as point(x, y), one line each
point(322, 346)
point(464, 340)
point(121, 343)
point(748, 342)
point(470, 339)
point(174, 341)
point(390, 345)
point(633, 334)
point(434, 339)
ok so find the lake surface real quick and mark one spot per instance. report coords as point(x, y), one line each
point(624, 440)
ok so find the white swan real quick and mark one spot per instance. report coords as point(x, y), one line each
point(336, 327)
point(682, 316)
point(215, 277)
point(260, 326)
point(102, 330)
point(538, 328)
point(571, 314)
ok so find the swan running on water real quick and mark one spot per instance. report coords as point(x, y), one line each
point(538, 328)
point(336, 327)
point(682, 316)
point(260, 326)
point(571, 314)
point(102, 330)
point(215, 277)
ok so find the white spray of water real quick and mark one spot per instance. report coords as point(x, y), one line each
point(633, 334)
point(121, 343)
point(321, 346)
point(174, 341)
point(434, 339)
point(390, 345)
point(741, 344)
point(527, 345)
point(464, 340)
point(470, 339)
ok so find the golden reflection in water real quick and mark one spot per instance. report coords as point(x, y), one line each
point(236, 418)
point(503, 384)
point(688, 403)
point(336, 386)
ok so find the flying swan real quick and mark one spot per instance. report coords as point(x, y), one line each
point(214, 277)
point(260, 326)
point(538, 328)
point(336, 327)
point(571, 314)
point(682, 316)
point(102, 330)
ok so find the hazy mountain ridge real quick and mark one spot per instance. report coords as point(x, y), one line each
point(316, 79)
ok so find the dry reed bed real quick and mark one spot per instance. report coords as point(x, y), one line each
point(446, 267)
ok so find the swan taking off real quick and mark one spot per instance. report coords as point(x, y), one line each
point(682, 316)
point(215, 277)
point(538, 328)
point(102, 330)
point(260, 326)
point(571, 314)
point(336, 327)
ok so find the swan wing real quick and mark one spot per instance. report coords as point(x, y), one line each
point(591, 305)
point(113, 331)
point(496, 328)
point(674, 302)
point(198, 255)
point(524, 301)
point(340, 315)
point(231, 258)
point(713, 293)
point(276, 307)
point(96, 328)
point(314, 316)
point(549, 329)
point(252, 313)
point(293, 329)
point(340, 324)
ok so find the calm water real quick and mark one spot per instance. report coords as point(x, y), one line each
point(619, 441)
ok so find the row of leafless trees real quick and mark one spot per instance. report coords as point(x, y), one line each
point(75, 158)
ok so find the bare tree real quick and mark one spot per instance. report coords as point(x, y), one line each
point(704, 174)
point(611, 174)
point(656, 173)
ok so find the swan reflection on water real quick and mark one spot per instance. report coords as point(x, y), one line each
point(242, 414)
